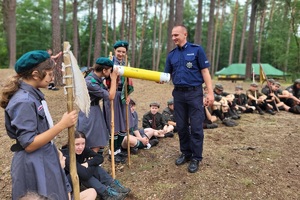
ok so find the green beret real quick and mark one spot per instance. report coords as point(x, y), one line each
point(170, 102)
point(154, 104)
point(30, 60)
point(121, 44)
point(104, 61)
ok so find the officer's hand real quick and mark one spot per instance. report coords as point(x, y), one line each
point(209, 100)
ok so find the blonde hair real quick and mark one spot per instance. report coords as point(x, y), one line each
point(12, 85)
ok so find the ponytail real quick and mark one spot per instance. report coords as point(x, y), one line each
point(9, 89)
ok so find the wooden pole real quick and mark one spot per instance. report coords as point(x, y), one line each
point(71, 130)
point(112, 134)
point(127, 118)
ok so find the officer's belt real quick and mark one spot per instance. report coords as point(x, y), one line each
point(16, 147)
point(186, 88)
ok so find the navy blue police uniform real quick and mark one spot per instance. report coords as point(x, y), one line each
point(185, 64)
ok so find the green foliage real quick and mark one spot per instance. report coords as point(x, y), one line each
point(33, 25)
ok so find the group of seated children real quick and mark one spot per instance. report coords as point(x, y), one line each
point(227, 107)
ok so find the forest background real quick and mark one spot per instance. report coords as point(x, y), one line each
point(231, 31)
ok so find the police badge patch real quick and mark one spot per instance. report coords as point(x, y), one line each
point(189, 65)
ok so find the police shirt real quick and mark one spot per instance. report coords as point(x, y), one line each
point(185, 65)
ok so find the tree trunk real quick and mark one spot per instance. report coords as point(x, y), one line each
point(9, 19)
point(179, 12)
point(123, 21)
point(170, 43)
point(220, 36)
point(215, 40)
point(98, 36)
point(75, 29)
point(245, 22)
point(143, 34)
point(106, 28)
point(260, 33)
point(233, 32)
point(56, 41)
point(64, 25)
point(133, 32)
point(91, 33)
point(154, 37)
point(114, 20)
point(210, 30)
point(159, 37)
point(250, 44)
point(198, 30)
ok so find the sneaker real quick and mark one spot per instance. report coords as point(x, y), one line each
point(229, 123)
point(116, 185)
point(111, 194)
point(169, 134)
point(211, 126)
point(153, 142)
point(54, 89)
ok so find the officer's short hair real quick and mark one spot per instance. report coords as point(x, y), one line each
point(155, 104)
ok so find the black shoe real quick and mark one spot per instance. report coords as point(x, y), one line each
point(211, 126)
point(193, 166)
point(134, 150)
point(182, 159)
point(153, 142)
point(229, 123)
point(118, 158)
point(54, 88)
point(270, 111)
point(169, 134)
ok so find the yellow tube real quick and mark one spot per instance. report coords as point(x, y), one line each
point(143, 74)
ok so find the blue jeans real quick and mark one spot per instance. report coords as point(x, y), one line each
point(99, 181)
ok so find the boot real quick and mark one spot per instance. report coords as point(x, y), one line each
point(116, 185)
point(112, 194)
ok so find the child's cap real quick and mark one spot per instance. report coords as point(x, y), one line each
point(155, 104)
point(104, 61)
point(30, 60)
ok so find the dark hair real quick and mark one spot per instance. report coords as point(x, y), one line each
point(79, 135)
point(99, 68)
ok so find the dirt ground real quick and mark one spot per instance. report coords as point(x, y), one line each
point(258, 159)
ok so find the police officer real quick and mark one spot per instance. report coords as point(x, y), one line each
point(188, 66)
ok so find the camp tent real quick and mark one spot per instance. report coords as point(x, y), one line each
point(237, 71)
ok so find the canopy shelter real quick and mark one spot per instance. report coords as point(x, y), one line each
point(237, 71)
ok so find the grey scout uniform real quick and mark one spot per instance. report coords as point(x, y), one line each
point(38, 171)
point(94, 126)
